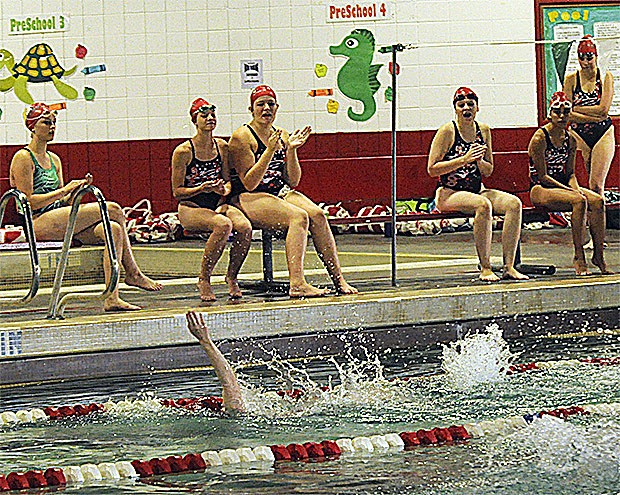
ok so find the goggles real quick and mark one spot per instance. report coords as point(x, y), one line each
point(205, 109)
point(586, 56)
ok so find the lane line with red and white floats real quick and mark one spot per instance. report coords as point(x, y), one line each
point(294, 452)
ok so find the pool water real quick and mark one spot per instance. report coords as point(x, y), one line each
point(581, 455)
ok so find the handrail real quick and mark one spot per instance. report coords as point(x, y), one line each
point(22, 200)
point(56, 309)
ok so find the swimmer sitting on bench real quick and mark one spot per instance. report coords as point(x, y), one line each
point(553, 184)
point(460, 156)
point(266, 168)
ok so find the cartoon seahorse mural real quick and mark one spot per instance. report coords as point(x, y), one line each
point(357, 78)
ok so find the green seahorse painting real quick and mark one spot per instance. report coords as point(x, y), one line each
point(357, 78)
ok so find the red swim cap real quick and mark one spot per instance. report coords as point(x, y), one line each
point(586, 45)
point(464, 93)
point(559, 100)
point(262, 90)
point(199, 105)
point(36, 112)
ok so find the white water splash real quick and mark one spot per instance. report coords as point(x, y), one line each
point(562, 447)
point(477, 358)
point(362, 381)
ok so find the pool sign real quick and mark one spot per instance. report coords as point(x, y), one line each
point(48, 23)
point(347, 12)
point(10, 342)
point(251, 73)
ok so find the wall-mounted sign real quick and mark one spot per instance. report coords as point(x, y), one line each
point(371, 11)
point(44, 23)
point(251, 73)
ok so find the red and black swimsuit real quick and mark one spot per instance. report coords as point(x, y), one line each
point(467, 177)
point(556, 159)
point(274, 179)
point(590, 132)
point(198, 172)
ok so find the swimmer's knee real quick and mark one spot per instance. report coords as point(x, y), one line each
point(317, 217)
point(222, 226)
point(596, 203)
point(299, 217)
point(114, 210)
point(484, 208)
point(243, 227)
point(579, 203)
point(515, 204)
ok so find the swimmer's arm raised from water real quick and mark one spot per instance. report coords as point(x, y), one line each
point(442, 142)
point(231, 392)
point(22, 178)
point(251, 172)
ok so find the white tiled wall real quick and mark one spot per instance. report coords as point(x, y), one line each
point(160, 54)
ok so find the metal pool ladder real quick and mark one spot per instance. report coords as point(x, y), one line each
point(57, 306)
point(22, 201)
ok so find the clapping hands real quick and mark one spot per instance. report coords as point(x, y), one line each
point(299, 137)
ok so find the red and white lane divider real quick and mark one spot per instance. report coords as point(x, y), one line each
point(545, 365)
point(316, 451)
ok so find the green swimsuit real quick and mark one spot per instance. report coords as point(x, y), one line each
point(45, 181)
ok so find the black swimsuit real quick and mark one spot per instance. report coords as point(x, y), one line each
point(590, 132)
point(467, 177)
point(273, 181)
point(198, 172)
point(556, 160)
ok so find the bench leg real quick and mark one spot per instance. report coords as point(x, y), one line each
point(268, 285)
point(532, 269)
point(267, 240)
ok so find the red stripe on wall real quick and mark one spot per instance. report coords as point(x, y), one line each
point(354, 168)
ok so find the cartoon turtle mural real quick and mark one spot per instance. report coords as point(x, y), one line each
point(38, 65)
point(357, 78)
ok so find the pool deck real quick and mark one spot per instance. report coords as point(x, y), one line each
point(438, 296)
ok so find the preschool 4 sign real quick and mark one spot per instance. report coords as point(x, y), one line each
point(372, 11)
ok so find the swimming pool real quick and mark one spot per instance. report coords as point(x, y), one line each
point(581, 455)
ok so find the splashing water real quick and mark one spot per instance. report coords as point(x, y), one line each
point(477, 358)
point(362, 381)
point(561, 447)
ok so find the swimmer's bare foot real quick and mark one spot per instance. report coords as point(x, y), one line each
point(343, 288)
point(117, 304)
point(487, 275)
point(602, 266)
point(234, 291)
point(143, 282)
point(581, 269)
point(306, 290)
point(206, 292)
point(513, 274)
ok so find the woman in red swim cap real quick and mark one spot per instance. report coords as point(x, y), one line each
point(459, 157)
point(37, 172)
point(553, 184)
point(591, 96)
point(266, 171)
point(200, 182)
